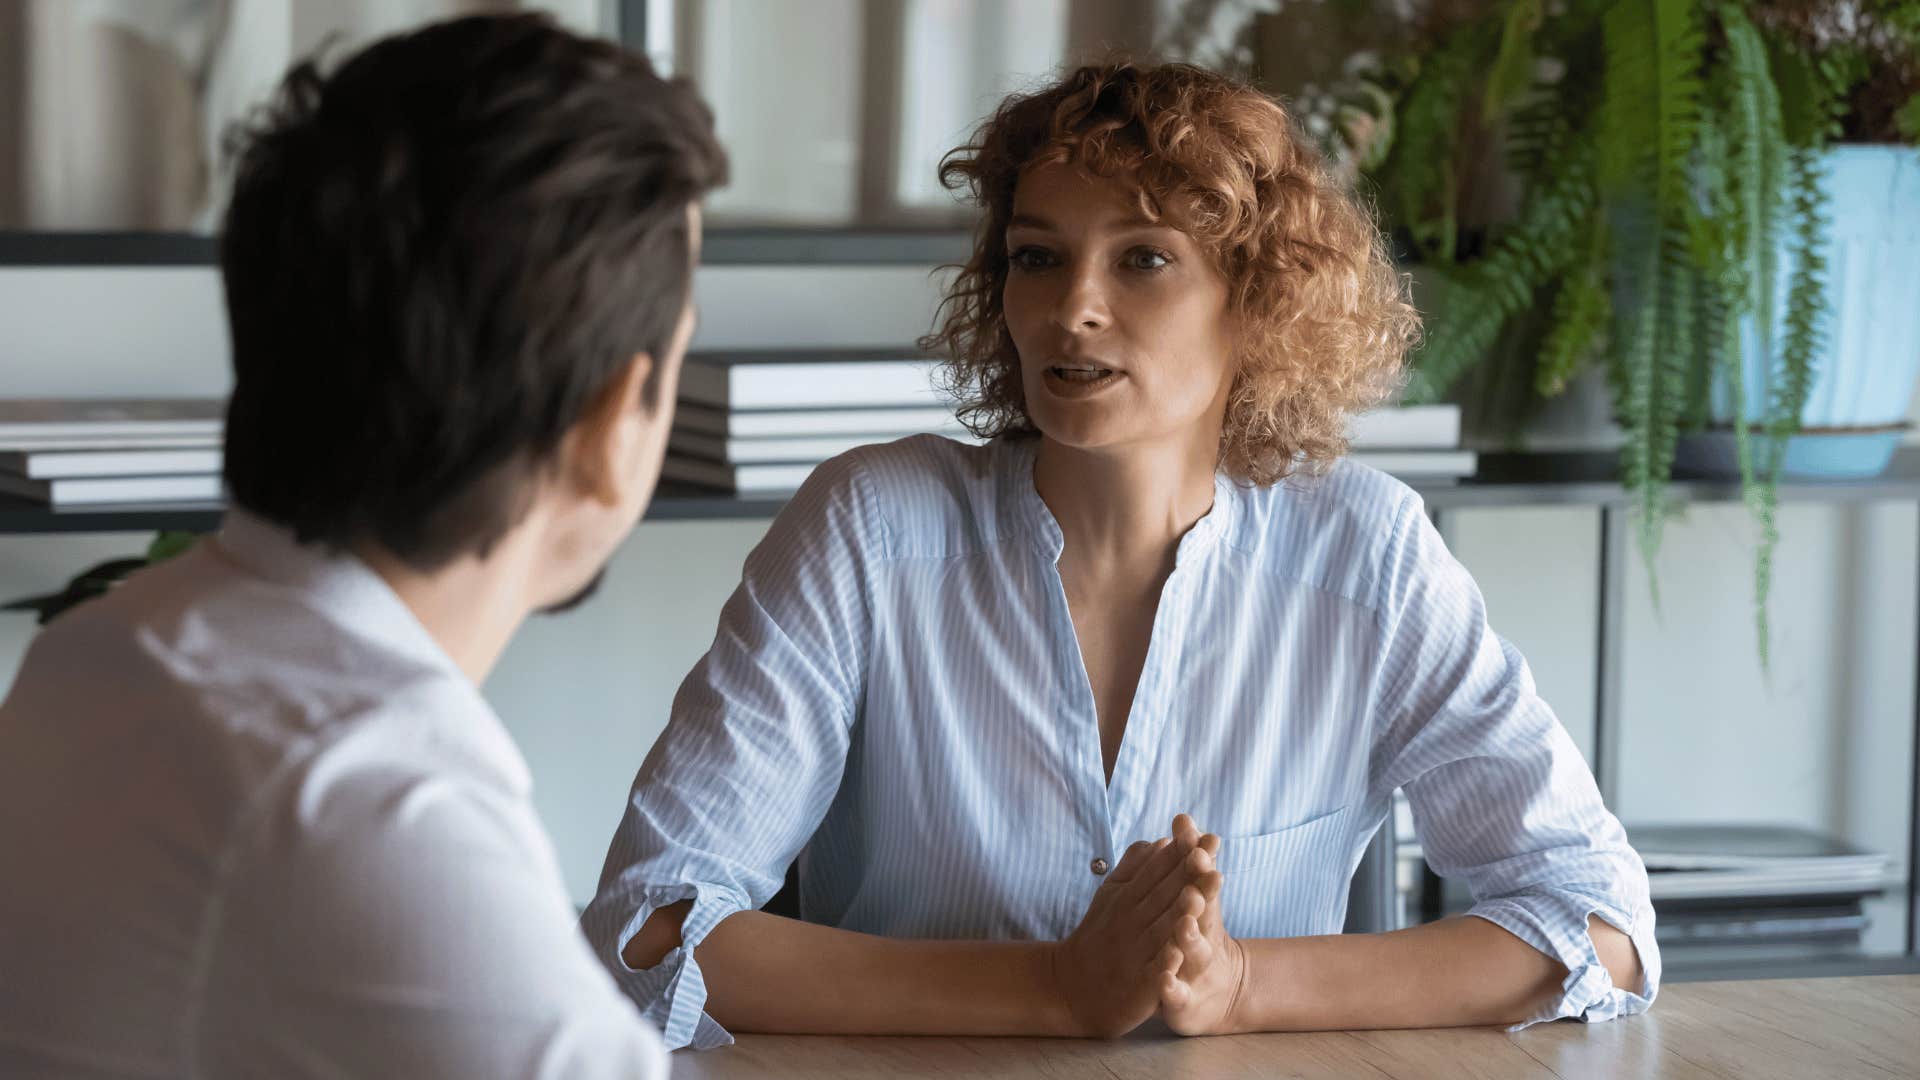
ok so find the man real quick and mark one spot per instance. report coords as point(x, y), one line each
point(255, 817)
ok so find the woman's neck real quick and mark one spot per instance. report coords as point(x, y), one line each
point(1126, 507)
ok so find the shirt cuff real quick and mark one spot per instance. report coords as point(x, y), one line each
point(1555, 922)
point(672, 995)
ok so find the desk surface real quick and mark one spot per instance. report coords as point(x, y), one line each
point(1825, 1028)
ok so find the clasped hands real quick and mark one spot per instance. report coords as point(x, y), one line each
point(1153, 941)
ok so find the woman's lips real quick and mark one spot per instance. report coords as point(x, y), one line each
point(1079, 381)
point(1080, 372)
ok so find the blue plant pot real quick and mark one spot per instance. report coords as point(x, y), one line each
point(1865, 374)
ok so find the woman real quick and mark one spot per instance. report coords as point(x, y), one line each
point(966, 685)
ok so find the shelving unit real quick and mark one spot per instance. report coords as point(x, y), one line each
point(1583, 479)
point(672, 502)
point(1503, 480)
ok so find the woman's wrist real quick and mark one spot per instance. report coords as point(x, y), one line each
point(1237, 1022)
point(1055, 1006)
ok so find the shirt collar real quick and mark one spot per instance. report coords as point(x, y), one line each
point(348, 593)
point(1031, 511)
point(334, 582)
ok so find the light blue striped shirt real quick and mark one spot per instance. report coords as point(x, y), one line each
point(896, 696)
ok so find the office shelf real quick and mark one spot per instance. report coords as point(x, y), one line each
point(1584, 479)
point(18, 516)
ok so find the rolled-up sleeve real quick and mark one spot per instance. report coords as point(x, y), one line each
point(1501, 797)
point(753, 753)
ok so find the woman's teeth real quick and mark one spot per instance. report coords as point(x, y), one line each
point(1076, 374)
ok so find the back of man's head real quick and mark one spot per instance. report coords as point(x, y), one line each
point(434, 258)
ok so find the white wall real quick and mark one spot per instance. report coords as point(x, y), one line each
point(586, 694)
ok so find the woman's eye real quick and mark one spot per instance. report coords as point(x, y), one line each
point(1029, 258)
point(1148, 259)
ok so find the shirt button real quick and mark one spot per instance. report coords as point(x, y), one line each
point(1099, 867)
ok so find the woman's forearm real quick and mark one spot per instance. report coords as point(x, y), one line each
point(769, 974)
point(1455, 972)
point(766, 973)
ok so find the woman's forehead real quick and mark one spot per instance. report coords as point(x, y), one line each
point(1051, 187)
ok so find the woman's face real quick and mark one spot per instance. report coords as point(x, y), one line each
point(1121, 324)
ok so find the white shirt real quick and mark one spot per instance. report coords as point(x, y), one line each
point(255, 823)
point(896, 695)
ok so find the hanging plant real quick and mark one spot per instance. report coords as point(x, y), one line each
point(1661, 148)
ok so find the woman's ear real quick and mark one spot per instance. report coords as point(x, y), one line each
point(605, 442)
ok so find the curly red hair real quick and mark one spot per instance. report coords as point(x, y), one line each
point(1325, 320)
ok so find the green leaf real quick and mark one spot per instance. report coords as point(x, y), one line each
point(1650, 127)
point(1512, 74)
point(1906, 119)
point(169, 544)
point(1420, 178)
point(1803, 97)
point(1486, 295)
point(1580, 314)
point(1806, 300)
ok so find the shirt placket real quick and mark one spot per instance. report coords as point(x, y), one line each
point(1079, 739)
point(1140, 747)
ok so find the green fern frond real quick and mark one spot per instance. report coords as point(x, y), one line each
point(1756, 172)
point(1541, 123)
point(1532, 133)
point(1806, 107)
point(1505, 281)
point(1906, 119)
point(1707, 353)
point(1512, 74)
point(1633, 339)
point(1806, 300)
point(1420, 175)
point(1750, 211)
point(1680, 89)
point(1650, 124)
point(1759, 493)
point(1658, 422)
point(1580, 314)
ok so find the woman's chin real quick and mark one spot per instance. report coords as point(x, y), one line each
point(1081, 432)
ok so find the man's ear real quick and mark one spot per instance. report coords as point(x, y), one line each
point(601, 448)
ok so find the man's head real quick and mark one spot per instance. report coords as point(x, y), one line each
point(458, 272)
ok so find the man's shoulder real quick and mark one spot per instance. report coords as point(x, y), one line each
point(241, 674)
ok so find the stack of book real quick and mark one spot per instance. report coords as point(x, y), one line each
point(756, 423)
point(760, 422)
point(70, 453)
point(1417, 443)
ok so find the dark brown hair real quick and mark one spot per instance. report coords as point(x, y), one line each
point(435, 257)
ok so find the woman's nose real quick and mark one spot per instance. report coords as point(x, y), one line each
point(1083, 305)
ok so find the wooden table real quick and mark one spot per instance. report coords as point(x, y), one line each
point(1819, 1028)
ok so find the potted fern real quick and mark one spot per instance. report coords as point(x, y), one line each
point(1675, 168)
